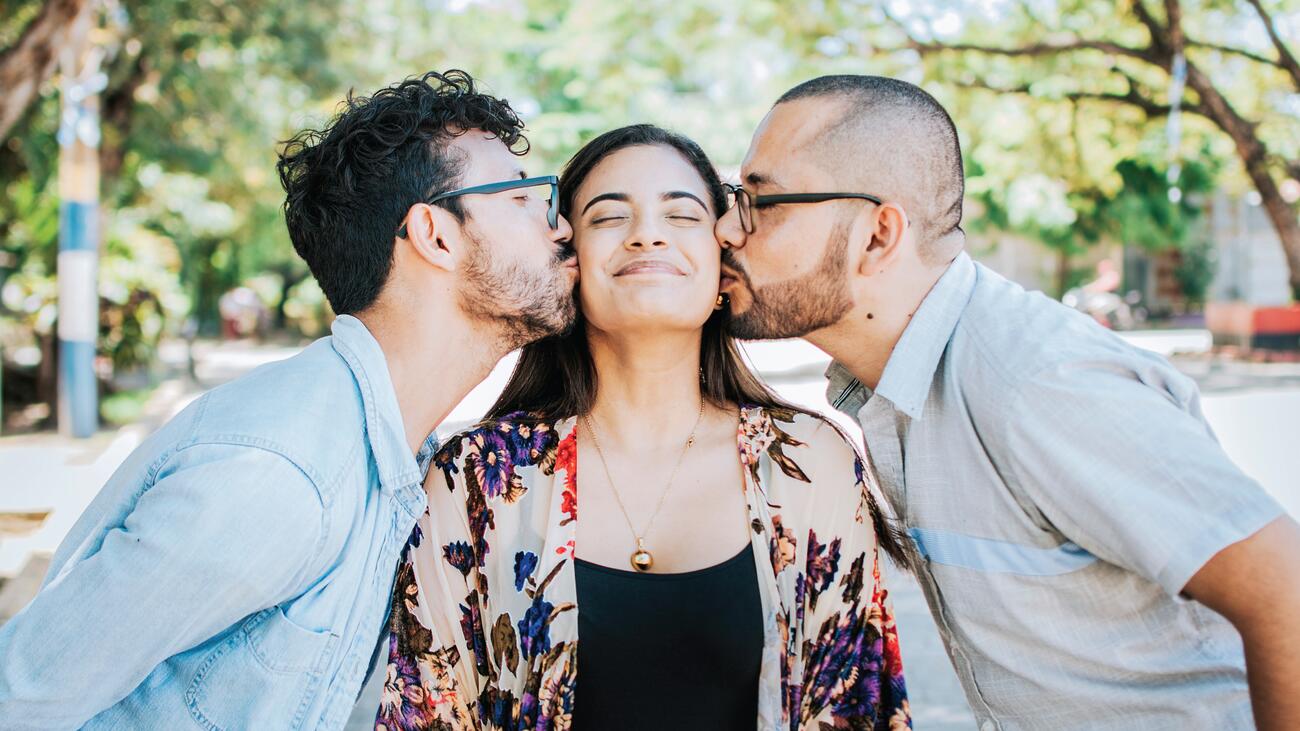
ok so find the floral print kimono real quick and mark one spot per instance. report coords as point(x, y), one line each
point(484, 625)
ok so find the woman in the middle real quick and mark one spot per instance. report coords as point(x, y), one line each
point(715, 564)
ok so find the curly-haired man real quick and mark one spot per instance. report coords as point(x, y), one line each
point(234, 572)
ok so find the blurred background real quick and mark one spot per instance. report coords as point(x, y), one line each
point(1139, 159)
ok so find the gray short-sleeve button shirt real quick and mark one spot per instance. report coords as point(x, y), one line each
point(1061, 487)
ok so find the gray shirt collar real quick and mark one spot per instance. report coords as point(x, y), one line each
point(911, 367)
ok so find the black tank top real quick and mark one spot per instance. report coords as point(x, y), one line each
point(668, 651)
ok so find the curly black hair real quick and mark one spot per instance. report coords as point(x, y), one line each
point(349, 185)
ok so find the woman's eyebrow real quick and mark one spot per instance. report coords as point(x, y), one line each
point(675, 194)
point(605, 197)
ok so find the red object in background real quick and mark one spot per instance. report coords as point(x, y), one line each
point(1246, 326)
point(1276, 320)
point(1276, 328)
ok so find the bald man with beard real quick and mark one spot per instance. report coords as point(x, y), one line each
point(1092, 558)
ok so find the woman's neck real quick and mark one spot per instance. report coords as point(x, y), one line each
point(649, 387)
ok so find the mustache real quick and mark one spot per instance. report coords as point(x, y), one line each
point(729, 262)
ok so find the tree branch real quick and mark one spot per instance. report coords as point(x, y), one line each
point(1158, 47)
point(1033, 49)
point(1174, 19)
point(1286, 60)
point(1044, 49)
point(1292, 168)
point(30, 62)
point(1130, 98)
point(1230, 51)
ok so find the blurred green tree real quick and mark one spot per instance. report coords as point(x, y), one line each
point(1225, 62)
point(1062, 106)
point(198, 93)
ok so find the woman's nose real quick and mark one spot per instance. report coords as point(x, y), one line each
point(645, 235)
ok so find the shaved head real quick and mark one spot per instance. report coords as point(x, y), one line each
point(889, 138)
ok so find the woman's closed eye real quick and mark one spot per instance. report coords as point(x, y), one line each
point(684, 217)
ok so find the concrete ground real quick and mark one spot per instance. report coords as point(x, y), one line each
point(1254, 409)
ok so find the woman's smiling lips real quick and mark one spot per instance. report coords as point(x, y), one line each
point(649, 266)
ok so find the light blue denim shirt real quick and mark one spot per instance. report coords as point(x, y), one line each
point(1061, 487)
point(235, 572)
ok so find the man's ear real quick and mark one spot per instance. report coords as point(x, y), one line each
point(433, 235)
point(883, 229)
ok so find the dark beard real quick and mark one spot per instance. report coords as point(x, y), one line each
point(797, 306)
point(521, 304)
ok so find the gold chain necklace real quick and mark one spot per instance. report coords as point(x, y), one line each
point(642, 560)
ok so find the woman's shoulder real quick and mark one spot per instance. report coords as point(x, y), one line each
point(518, 439)
point(806, 437)
point(808, 427)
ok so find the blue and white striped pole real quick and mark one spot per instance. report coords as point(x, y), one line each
point(79, 245)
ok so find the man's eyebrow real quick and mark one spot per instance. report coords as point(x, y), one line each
point(759, 179)
point(676, 194)
point(521, 173)
point(605, 197)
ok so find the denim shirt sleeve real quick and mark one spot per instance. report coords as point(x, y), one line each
point(221, 532)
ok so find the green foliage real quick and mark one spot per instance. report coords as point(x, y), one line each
point(198, 95)
point(1141, 213)
point(1195, 272)
point(124, 407)
point(200, 92)
point(1046, 132)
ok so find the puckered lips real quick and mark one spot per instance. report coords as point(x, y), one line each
point(730, 278)
point(733, 285)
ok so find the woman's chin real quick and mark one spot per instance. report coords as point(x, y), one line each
point(650, 317)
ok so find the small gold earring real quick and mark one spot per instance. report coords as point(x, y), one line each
point(720, 302)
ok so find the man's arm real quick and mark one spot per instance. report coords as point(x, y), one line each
point(1255, 584)
point(223, 532)
point(1119, 467)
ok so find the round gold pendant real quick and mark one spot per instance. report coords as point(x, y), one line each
point(642, 560)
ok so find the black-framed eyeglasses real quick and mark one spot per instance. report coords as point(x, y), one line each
point(746, 203)
point(552, 212)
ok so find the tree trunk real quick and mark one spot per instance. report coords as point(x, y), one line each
point(1284, 219)
point(116, 116)
point(47, 375)
point(1254, 157)
point(32, 60)
point(1062, 272)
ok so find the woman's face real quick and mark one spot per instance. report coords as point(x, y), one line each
point(643, 232)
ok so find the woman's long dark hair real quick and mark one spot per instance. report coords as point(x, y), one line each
point(555, 377)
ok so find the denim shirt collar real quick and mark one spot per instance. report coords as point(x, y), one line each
point(911, 367)
point(397, 468)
